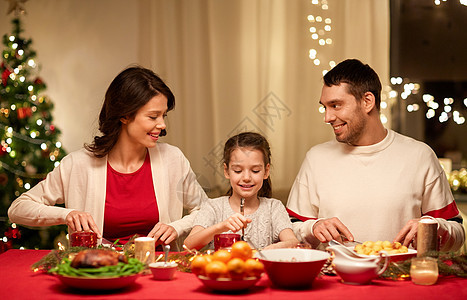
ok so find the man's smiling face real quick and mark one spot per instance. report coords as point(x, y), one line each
point(344, 113)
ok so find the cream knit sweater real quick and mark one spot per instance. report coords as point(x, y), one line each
point(374, 190)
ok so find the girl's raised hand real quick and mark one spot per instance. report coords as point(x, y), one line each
point(236, 222)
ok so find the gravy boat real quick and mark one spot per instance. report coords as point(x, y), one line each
point(357, 270)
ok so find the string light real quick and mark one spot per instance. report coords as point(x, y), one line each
point(321, 27)
point(429, 101)
point(438, 2)
point(9, 132)
point(383, 118)
point(430, 113)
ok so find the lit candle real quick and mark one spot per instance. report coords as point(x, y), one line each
point(424, 270)
point(145, 248)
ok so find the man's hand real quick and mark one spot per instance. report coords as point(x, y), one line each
point(163, 233)
point(82, 221)
point(331, 229)
point(408, 233)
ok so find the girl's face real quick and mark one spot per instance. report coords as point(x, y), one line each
point(246, 172)
point(147, 124)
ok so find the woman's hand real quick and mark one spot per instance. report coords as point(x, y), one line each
point(163, 233)
point(235, 222)
point(82, 221)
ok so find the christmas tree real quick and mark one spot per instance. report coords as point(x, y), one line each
point(29, 145)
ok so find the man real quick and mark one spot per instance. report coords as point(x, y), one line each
point(371, 183)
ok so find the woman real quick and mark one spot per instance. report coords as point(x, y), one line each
point(124, 182)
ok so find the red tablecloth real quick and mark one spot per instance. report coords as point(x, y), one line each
point(17, 281)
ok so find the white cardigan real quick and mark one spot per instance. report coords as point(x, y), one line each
point(80, 183)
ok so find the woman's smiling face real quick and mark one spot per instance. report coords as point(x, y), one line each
point(148, 122)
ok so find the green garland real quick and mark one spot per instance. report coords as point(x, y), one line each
point(449, 264)
point(54, 257)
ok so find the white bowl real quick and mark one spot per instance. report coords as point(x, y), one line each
point(162, 271)
point(293, 268)
point(358, 272)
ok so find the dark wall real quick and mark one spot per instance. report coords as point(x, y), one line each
point(429, 42)
point(429, 47)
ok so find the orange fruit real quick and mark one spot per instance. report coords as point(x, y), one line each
point(236, 268)
point(198, 264)
point(222, 255)
point(242, 250)
point(253, 268)
point(216, 269)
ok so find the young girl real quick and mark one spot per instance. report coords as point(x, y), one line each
point(265, 222)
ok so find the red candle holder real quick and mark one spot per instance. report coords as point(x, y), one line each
point(83, 239)
point(225, 240)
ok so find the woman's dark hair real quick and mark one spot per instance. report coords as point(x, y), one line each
point(127, 93)
point(361, 78)
point(253, 141)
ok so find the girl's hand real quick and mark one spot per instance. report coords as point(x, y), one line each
point(236, 222)
point(82, 221)
point(163, 233)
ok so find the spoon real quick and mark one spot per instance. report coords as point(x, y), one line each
point(242, 211)
point(334, 243)
point(166, 254)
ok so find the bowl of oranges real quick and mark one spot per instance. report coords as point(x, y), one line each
point(228, 270)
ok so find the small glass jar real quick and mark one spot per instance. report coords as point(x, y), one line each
point(83, 239)
point(225, 240)
point(424, 270)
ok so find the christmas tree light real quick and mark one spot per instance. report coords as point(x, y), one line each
point(29, 145)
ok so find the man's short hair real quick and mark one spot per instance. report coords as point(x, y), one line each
point(361, 78)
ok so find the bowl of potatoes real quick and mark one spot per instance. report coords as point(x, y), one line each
point(396, 251)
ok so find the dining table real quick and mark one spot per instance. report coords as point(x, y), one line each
point(19, 281)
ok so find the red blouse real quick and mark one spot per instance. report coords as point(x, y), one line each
point(130, 204)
